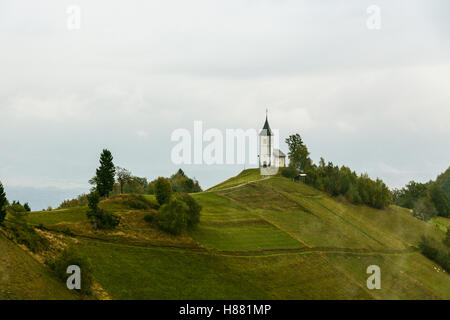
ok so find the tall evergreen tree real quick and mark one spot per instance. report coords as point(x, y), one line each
point(105, 174)
point(3, 203)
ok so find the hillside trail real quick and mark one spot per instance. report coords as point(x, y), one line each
point(239, 185)
point(260, 252)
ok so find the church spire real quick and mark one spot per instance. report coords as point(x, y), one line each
point(266, 129)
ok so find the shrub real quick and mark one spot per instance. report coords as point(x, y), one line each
point(193, 213)
point(27, 207)
point(424, 209)
point(68, 257)
point(134, 201)
point(182, 183)
point(151, 217)
point(103, 220)
point(289, 172)
point(23, 233)
point(98, 217)
point(27, 236)
point(163, 190)
point(172, 217)
point(435, 251)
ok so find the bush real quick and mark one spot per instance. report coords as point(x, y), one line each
point(289, 172)
point(134, 201)
point(103, 220)
point(193, 213)
point(98, 217)
point(27, 236)
point(439, 253)
point(172, 217)
point(163, 190)
point(68, 257)
point(151, 217)
point(424, 209)
point(182, 183)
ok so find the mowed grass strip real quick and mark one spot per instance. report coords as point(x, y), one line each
point(250, 236)
point(301, 216)
point(403, 276)
point(393, 226)
point(218, 208)
point(245, 176)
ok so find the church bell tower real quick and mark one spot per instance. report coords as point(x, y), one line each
point(266, 146)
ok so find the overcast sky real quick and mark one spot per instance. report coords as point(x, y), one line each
point(375, 100)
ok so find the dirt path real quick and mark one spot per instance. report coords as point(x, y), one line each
point(239, 185)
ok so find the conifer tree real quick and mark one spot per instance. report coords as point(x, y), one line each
point(3, 203)
point(105, 174)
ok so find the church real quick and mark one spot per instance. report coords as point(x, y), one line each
point(268, 155)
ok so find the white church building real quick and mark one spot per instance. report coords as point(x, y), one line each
point(268, 155)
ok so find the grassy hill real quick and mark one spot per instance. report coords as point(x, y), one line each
point(22, 277)
point(260, 238)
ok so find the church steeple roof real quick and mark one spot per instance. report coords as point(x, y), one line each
point(266, 129)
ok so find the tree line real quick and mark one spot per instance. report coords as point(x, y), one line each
point(334, 180)
point(427, 200)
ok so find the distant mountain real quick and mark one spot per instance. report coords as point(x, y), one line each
point(41, 198)
point(443, 180)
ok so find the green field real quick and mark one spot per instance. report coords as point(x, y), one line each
point(76, 214)
point(261, 239)
point(21, 277)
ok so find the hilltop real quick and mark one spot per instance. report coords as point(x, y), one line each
point(258, 238)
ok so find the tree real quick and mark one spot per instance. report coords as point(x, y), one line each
point(123, 176)
point(289, 172)
point(93, 200)
point(27, 206)
point(163, 190)
point(99, 218)
point(440, 201)
point(172, 216)
point(193, 212)
point(298, 153)
point(105, 174)
point(3, 203)
point(424, 209)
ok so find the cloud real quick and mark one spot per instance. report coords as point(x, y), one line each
point(135, 72)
